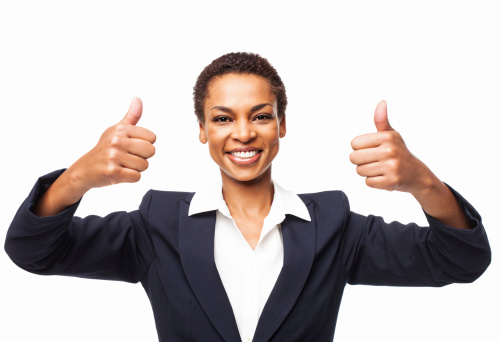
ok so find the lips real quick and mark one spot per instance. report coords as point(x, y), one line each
point(244, 156)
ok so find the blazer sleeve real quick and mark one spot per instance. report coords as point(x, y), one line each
point(114, 247)
point(379, 253)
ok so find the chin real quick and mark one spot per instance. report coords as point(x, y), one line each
point(246, 177)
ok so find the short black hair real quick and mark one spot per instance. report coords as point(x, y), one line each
point(238, 63)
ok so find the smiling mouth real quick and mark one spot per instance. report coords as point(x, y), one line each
point(244, 157)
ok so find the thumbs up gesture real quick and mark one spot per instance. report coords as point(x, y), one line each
point(385, 161)
point(120, 155)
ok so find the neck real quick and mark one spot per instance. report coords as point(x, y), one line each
point(250, 197)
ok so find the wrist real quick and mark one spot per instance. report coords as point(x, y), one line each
point(427, 185)
point(74, 182)
point(60, 195)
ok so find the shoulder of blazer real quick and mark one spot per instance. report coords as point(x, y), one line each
point(327, 199)
point(169, 197)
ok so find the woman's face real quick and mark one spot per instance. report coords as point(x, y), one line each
point(242, 126)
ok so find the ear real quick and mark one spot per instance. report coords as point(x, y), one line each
point(202, 135)
point(282, 127)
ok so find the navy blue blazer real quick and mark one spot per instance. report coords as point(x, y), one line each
point(172, 255)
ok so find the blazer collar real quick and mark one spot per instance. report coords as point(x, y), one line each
point(196, 249)
point(211, 198)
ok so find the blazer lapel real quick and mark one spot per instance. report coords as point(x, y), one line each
point(299, 238)
point(196, 249)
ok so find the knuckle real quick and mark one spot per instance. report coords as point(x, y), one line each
point(395, 138)
point(389, 151)
point(115, 141)
point(393, 164)
point(111, 170)
point(112, 154)
point(120, 127)
point(387, 136)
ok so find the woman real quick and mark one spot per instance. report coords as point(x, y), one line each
point(245, 259)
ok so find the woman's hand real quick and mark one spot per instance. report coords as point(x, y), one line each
point(385, 161)
point(119, 157)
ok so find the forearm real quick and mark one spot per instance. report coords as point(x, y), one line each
point(437, 200)
point(63, 193)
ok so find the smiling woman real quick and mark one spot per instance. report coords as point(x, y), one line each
point(246, 259)
point(242, 126)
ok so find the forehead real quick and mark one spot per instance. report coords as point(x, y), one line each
point(238, 90)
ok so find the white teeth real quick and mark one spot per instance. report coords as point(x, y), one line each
point(248, 154)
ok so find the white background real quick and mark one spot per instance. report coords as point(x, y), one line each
point(69, 69)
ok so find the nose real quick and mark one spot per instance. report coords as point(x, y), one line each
point(243, 131)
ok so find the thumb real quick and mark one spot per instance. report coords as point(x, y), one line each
point(134, 113)
point(381, 117)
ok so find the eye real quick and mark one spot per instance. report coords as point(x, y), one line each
point(221, 119)
point(261, 117)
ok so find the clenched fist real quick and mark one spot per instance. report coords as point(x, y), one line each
point(385, 161)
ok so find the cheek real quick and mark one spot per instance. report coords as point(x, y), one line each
point(215, 140)
point(271, 136)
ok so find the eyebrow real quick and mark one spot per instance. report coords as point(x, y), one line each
point(253, 109)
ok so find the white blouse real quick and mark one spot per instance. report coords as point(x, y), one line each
point(248, 275)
